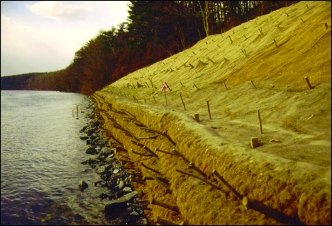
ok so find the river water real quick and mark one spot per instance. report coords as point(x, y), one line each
point(41, 155)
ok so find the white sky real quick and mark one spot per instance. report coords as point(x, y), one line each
point(44, 36)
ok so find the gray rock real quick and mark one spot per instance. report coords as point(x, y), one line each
point(91, 151)
point(120, 185)
point(127, 189)
point(134, 213)
point(106, 150)
point(83, 185)
point(101, 170)
point(116, 207)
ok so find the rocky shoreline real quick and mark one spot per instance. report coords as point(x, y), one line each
point(123, 203)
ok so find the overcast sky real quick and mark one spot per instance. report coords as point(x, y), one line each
point(44, 36)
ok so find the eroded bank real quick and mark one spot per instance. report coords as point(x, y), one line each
point(185, 174)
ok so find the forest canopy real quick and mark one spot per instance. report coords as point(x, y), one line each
point(154, 30)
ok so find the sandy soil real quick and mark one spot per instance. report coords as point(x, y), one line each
point(259, 65)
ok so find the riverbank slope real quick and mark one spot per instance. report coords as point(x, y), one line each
point(205, 170)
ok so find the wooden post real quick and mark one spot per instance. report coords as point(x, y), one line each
point(308, 82)
point(196, 117)
point(72, 113)
point(76, 111)
point(184, 106)
point(209, 109)
point(260, 122)
point(254, 142)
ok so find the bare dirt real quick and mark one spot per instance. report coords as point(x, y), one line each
point(259, 65)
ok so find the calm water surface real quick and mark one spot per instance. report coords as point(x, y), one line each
point(40, 160)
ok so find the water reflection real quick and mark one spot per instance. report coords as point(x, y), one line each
point(41, 156)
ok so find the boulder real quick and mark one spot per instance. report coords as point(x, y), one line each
point(116, 207)
point(91, 151)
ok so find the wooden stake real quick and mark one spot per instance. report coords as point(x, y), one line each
point(260, 122)
point(76, 111)
point(209, 109)
point(230, 38)
point(145, 166)
point(253, 84)
point(275, 43)
point(184, 106)
point(308, 82)
point(225, 85)
point(167, 206)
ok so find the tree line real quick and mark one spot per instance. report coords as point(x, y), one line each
point(154, 30)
